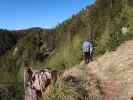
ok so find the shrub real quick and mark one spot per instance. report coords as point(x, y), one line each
point(61, 90)
point(68, 54)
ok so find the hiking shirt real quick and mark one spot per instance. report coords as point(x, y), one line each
point(87, 47)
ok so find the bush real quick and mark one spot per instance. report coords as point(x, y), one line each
point(68, 54)
point(61, 90)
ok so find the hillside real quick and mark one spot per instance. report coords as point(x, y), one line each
point(101, 22)
point(108, 77)
point(107, 23)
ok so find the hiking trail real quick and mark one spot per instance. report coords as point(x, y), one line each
point(110, 76)
point(113, 70)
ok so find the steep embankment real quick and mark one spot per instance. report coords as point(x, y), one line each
point(112, 72)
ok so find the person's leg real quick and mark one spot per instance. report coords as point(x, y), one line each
point(91, 57)
point(88, 57)
point(85, 57)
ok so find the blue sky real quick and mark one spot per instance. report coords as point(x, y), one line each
point(21, 14)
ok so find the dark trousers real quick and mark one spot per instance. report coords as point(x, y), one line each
point(87, 57)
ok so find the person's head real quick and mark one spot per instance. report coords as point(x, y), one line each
point(29, 70)
point(91, 41)
point(88, 40)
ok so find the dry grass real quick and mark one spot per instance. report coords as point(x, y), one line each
point(109, 77)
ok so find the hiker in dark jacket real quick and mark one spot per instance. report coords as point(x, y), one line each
point(87, 48)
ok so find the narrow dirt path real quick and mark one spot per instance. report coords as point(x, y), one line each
point(112, 89)
point(115, 72)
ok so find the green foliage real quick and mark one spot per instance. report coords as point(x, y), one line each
point(69, 54)
point(12, 91)
point(7, 41)
point(128, 16)
point(101, 22)
point(60, 47)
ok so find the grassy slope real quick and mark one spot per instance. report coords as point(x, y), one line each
point(110, 39)
point(106, 78)
point(101, 23)
point(102, 19)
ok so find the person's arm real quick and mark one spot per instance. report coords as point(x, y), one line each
point(82, 50)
